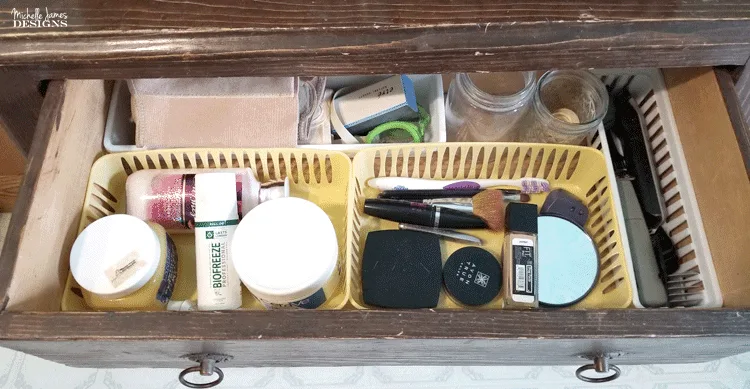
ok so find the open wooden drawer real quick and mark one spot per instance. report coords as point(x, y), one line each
point(33, 268)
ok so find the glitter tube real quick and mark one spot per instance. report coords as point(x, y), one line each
point(167, 197)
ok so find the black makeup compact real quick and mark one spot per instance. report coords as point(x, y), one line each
point(401, 269)
point(472, 276)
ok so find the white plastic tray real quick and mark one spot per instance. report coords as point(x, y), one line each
point(429, 91)
point(119, 133)
point(684, 224)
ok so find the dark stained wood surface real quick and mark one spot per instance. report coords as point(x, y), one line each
point(374, 324)
point(20, 103)
point(109, 352)
point(738, 104)
point(737, 100)
point(49, 117)
point(331, 338)
point(138, 38)
point(742, 89)
point(33, 263)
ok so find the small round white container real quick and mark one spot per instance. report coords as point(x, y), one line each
point(115, 256)
point(285, 252)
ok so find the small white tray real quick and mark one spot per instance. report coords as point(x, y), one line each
point(119, 133)
point(429, 91)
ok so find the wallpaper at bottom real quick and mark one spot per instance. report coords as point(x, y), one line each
point(18, 370)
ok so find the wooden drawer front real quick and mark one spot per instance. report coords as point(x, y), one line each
point(33, 268)
point(418, 337)
point(379, 352)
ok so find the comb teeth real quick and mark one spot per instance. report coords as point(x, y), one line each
point(534, 186)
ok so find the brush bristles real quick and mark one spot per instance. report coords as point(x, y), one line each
point(490, 207)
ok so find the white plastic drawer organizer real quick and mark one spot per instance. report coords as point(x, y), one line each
point(119, 133)
point(694, 284)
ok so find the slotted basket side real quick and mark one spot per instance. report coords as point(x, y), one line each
point(683, 221)
point(323, 177)
point(580, 170)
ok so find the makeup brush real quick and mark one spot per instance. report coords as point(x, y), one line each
point(488, 205)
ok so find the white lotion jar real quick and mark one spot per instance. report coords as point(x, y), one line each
point(286, 253)
point(124, 264)
point(216, 219)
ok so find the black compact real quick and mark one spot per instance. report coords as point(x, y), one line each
point(472, 276)
point(401, 269)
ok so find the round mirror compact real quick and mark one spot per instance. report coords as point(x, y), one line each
point(568, 262)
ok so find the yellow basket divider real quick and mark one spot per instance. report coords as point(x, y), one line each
point(580, 170)
point(320, 176)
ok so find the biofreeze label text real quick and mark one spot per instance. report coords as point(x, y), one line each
point(213, 243)
point(218, 265)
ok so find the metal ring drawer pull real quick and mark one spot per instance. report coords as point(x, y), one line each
point(600, 365)
point(206, 368)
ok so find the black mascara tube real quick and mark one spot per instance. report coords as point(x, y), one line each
point(421, 214)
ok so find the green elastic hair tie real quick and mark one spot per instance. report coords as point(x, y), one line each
point(414, 130)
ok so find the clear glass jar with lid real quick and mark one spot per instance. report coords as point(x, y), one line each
point(568, 106)
point(487, 107)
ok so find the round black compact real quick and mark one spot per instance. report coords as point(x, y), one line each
point(472, 276)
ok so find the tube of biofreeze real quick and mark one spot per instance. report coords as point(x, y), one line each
point(219, 287)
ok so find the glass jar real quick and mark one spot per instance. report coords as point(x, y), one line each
point(486, 107)
point(123, 263)
point(567, 107)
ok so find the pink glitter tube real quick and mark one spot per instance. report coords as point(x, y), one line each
point(167, 197)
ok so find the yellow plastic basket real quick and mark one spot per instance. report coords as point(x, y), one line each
point(580, 170)
point(323, 177)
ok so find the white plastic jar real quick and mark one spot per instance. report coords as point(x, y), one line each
point(124, 263)
point(286, 253)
